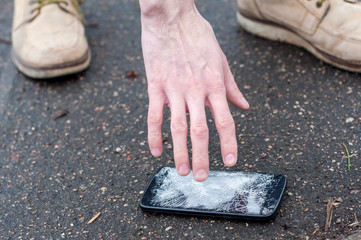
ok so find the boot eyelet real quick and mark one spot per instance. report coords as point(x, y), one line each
point(319, 3)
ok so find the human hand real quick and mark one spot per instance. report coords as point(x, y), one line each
point(187, 71)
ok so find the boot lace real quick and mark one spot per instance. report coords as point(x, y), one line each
point(42, 3)
point(320, 2)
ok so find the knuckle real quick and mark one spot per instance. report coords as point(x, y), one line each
point(154, 137)
point(189, 82)
point(200, 130)
point(225, 122)
point(234, 87)
point(198, 157)
point(154, 118)
point(155, 81)
point(180, 154)
point(218, 88)
point(179, 126)
point(229, 146)
point(217, 84)
point(155, 86)
point(194, 87)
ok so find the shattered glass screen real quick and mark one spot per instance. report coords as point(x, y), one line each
point(223, 191)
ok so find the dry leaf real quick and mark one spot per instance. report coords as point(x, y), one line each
point(132, 74)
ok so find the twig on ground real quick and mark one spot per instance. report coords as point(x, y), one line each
point(94, 218)
point(356, 223)
point(331, 204)
point(351, 156)
point(348, 159)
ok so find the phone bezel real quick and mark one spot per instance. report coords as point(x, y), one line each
point(281, 186)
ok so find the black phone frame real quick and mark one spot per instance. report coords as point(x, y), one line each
point(146, 207)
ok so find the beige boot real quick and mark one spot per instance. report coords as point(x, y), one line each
point(48, 38)
point(330, 29)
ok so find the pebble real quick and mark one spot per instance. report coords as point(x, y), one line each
point(349, 120)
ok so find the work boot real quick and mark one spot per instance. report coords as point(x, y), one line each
point(329, 29)
point(48, 38)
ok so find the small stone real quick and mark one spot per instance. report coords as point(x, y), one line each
point(338, 221)
point(168, 228)
point(349, 120)
point(290, 194)
point(60, 113)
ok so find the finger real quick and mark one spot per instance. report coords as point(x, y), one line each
point(179, 131)
point(234, 95)
point(155, 120)
point(225, 127)
point(199, 139)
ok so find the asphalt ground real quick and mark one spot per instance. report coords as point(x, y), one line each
point(56, 173)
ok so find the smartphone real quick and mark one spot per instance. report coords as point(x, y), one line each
point(226, 194)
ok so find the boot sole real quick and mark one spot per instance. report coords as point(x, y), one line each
point(52, 71)
point(276, 32)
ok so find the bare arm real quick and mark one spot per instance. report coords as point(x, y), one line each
point(187, 70)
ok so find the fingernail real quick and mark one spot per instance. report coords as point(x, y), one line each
point(183, 169)
point(201, 175)
point(230, 159)
point(155, 152)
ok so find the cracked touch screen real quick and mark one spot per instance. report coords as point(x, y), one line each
point(223, 194)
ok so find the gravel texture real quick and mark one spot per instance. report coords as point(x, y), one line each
point(76, 146)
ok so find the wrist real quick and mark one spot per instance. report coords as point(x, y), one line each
point(166, 9)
